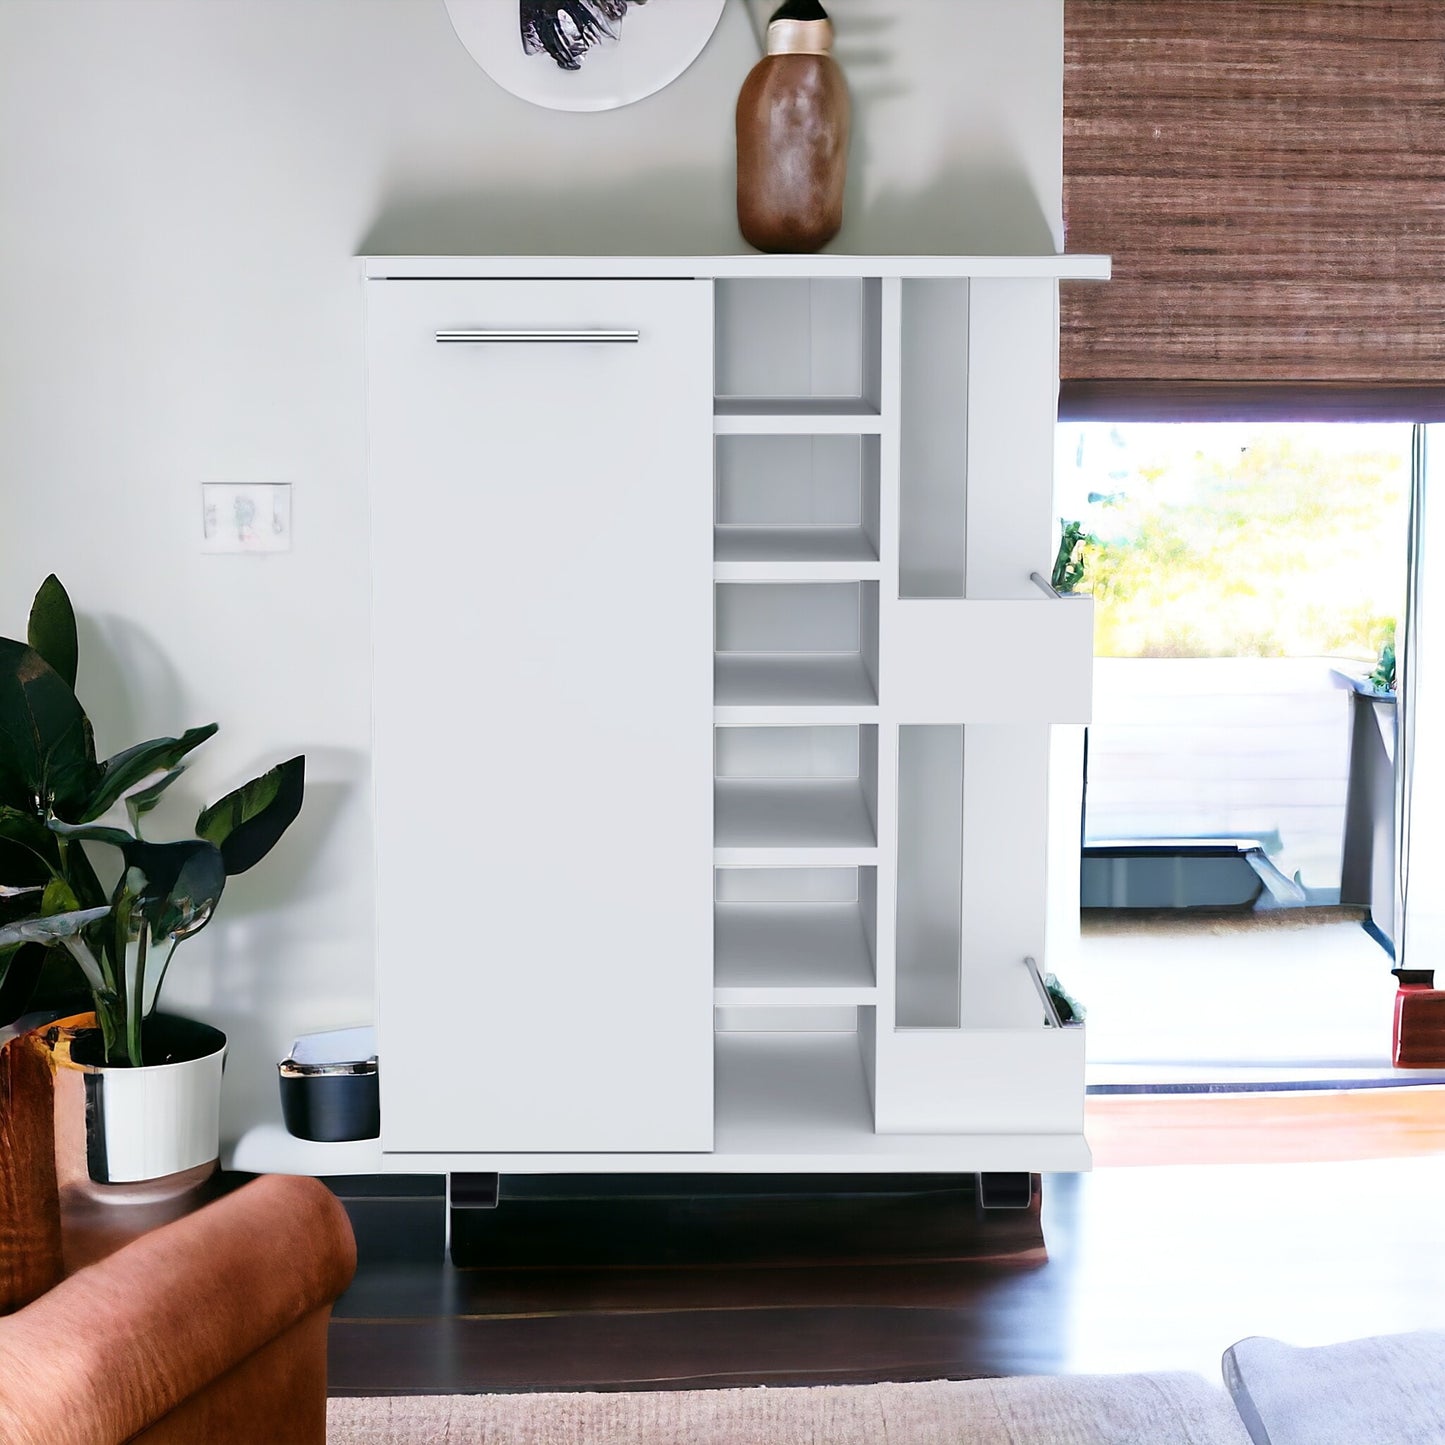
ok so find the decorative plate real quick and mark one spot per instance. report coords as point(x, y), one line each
point(584, 54)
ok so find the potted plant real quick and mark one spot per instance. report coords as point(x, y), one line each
point(1069, 563)
point(152, 1081)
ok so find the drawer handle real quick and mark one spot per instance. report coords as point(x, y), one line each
point(506, 335)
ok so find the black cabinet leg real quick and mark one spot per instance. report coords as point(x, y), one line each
point(474, 1191)
point(472, 1201)
point(1005, 1191)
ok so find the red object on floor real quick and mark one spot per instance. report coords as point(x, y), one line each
point(1419, 1033)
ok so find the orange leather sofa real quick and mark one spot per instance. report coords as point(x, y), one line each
point(208, 1328)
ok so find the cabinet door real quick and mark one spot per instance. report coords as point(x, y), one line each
point(542, 612)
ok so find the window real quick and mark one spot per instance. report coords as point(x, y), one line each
point(1240, 572)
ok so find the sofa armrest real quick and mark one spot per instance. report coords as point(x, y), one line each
point(123, 1341)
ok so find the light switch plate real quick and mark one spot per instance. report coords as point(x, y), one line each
point(247, 517)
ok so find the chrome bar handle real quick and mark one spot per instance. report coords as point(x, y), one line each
point(488, 334)
point(1038, 579)
point(1051, 1012)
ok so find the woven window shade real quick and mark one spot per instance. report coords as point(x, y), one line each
point(1269, 176)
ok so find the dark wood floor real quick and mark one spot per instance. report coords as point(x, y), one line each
point(1147, 1268)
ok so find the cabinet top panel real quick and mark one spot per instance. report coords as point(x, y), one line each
point(1072, 268)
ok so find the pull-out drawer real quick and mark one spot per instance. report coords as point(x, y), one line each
point(980, 1081)
point(948, 660)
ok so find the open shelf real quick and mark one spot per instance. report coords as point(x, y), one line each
point(767, 954)
point(797, 355)
point(796, 508)
point(803, 791)
point(809, 644)
point(801, 1100)
point(933, 481)
point(930, 873)
point(800, 814)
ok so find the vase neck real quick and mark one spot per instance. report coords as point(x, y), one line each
point(800, 37)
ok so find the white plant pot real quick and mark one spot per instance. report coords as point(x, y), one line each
point(160, 1119)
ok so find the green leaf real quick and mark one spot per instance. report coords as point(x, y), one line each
point(47, 753)
point(58, 897)
point(52, 929)
point(246, 824)
point(1069, 561)
point(52, 629)
point(133, 766)
point(174, 886)
point(21, 827)
point(139, 803)
point(29, 852)
point(92, 833)
point(29, 856)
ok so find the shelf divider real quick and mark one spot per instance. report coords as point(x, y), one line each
point(818, 855)
point(792, 680)
point(794, 554)
point(772, 416)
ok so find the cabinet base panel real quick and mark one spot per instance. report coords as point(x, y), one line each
point(268, 1149)
point(787, 1103)
point(572, 1221)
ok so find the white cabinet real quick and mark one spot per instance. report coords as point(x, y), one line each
point(720, 798)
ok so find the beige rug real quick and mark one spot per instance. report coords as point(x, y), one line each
point(1173, 1409)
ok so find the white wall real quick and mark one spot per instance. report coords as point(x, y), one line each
point(183, 185)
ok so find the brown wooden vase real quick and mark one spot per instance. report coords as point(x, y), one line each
point(792, 123)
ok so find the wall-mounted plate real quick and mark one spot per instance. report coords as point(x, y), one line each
point(584, 54)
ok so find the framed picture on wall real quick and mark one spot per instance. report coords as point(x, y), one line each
point(584, 54)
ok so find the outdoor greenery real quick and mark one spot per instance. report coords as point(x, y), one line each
point(1068, 1008)
point(1270, 541)
point(1069, 563)
point(1383, 677)
point(55, 794)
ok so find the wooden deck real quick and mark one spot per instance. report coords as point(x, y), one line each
point(1266, 1128)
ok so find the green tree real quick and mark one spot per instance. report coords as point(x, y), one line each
point(1291, 546)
